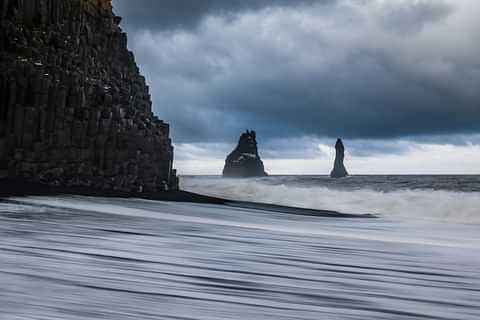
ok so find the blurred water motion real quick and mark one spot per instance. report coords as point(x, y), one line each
point(82, 258)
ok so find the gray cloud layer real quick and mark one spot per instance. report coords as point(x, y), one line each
point(179, 14)
point(356, 69)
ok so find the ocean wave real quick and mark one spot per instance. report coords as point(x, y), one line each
point(418, 204)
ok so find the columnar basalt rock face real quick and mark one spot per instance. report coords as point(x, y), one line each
point(74, 109)
point(339, 170)
point(244, 161)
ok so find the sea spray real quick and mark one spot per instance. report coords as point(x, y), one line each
point(387, 197)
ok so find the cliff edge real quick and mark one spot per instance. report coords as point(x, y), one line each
point(244, 161)
point(74, 108)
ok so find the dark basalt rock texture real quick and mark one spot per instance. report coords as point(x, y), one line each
point(244, 161)
point(339, 170)
point(74, 109)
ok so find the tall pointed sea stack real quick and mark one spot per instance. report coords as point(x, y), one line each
point(339, 170)
point(74, 109)
point(244, 161)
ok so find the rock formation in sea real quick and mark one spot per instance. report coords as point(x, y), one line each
point(339, 170)
point(74, 108)
point(244, 161)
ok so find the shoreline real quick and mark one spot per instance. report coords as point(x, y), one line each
point(21, 188)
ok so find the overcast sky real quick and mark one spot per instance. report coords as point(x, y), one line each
point(399, 80)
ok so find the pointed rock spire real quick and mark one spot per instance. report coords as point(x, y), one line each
point(339, 170)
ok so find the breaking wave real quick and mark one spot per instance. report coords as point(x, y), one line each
point(393, 203)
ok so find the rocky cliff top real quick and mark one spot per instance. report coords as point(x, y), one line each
point(100, 7)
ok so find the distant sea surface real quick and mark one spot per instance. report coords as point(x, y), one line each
point(72, 258)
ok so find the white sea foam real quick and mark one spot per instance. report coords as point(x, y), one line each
point(249, 219)
point(120, 259)
point(444, 206)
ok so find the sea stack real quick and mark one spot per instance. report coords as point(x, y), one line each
point(244, 161)
point(339, 170)
point(74, 108)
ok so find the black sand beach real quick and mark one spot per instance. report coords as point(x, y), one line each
point(105, 257)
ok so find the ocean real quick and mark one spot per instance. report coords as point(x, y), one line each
point(415, 197)
point(418, 257)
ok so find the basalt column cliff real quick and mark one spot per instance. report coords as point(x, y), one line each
point(74, 109)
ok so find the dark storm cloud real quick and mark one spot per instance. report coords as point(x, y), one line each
point(174, 14)
point(356, 69)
